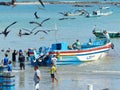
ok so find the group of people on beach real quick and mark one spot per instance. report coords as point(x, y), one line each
point(21, 59)
point(7, 62)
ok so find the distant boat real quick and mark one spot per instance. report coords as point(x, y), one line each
point(99, 33)
point(104, 7)
point(79, 13)
point(95, 50)
point(98, 13)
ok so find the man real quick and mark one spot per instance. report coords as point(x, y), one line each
point(54, 60)
point(77, 45)
point(37, 77)
point(14, 56)
point(6, 59)
point(10, 66)
point(105, 33)
point(21, 59)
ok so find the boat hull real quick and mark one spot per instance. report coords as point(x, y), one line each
point(99, 34)
point(82, 55)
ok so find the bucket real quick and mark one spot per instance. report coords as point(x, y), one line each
point(2, 69)
point(8, 87)
point(8, 81)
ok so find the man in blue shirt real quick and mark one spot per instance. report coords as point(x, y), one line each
point(5, 62)
point(10, 66)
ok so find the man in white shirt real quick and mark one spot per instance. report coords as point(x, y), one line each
point(37, 77)
point(105, 33)
point(54, 60)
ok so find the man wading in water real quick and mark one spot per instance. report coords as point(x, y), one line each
point(37, 77)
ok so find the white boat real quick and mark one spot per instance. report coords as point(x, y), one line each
point(99, 13)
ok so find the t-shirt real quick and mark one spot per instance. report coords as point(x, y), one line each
point(6, 61)
point(36, 75)
point(53, 70)
point(21, 58)
point(9, 67)
point(54, 60)
point(107, 36)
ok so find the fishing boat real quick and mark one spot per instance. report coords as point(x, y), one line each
point(66, 54)
point(99, 33)
point(98, 13)
point(88, 52)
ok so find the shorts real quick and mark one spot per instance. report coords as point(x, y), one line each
point(37, 86)
point(52, 76)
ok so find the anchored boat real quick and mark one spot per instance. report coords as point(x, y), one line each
point(99, 33)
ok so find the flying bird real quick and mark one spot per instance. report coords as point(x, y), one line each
point(21, 34)
point(39, 24)
point(36, 16)
point(41, 3)
point(5, 32)
point(29, 32)
point(40, 31)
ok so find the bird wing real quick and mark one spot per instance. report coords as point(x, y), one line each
point(36, 16)
point(9, 26)
point(45, 20)
point(26, 29)
point(32, 22)
point(41, 3)
point(40, 31)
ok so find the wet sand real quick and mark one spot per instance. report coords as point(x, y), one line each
point(70, 78)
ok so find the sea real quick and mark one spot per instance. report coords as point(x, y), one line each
point(103, 74)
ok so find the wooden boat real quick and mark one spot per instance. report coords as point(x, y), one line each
point(89, 51)
point(99, 33)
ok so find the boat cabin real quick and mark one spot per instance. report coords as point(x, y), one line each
point(59, 46)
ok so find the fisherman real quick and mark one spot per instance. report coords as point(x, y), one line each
point(77, 45)
point(21, 59)
point(53, 70)
point(10, 66)
point(54, 60)
point(37, 77)
point(6, 59)
point(105, 33)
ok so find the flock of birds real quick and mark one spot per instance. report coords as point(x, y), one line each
point(6, 31)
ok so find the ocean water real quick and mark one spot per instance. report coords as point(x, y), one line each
point(101, 74)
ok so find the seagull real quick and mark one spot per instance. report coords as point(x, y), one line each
point(65, 13)
point(39, 24)
point(36, 16)
point(5, 32)
point(20, 33)
point(41, 3)
point(29, 32)
point(40, 31)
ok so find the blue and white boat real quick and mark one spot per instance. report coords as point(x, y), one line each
point(88, 52)
point(65, 53)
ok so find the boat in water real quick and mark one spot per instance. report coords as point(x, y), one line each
point(66, 54)
point(99, 33)
point(98, 13)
